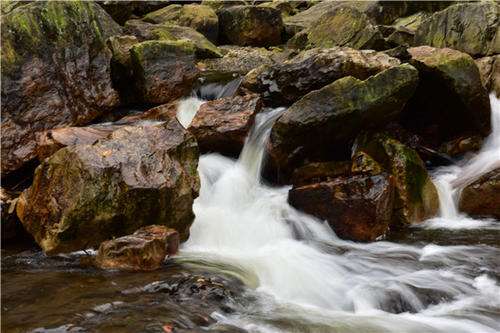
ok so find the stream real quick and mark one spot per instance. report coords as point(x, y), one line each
point(253, 263)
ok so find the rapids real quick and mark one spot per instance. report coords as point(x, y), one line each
point(305, 279)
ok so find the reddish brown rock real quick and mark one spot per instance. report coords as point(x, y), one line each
point(144, 250)
point(319, 172)
point(357, 208)
point(482, 197)
point(222, 125)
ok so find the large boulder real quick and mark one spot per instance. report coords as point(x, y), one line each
point(199, 17)
point(286, 82)
point(481, 198)
point(222, 125)
point(85, 194)
point(357, 208)
point(250, 25)
point(55, 71)
point(416, 197)
point(473, 28)
point(164, 70)
point(450, 99)
point(344, 26)
point(322, 123)
point(144, 250)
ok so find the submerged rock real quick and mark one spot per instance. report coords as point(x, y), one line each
point(450, 97)
point(469, 27)
point(322, 122)
point(416, 197)
point(55, 71)
point(222, 125)
point(251, 25)
point(144, 250)
point(85, 194)
point(199, 17)
point(286, 82)
point(357, 208)
point(481, 198)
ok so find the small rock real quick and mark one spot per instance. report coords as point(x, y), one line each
point(144, 250)
point(481, 198)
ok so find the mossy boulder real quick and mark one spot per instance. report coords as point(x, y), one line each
point(55, 71)
point(472, 27)
point(85, 194)
point(123, 10)
point(450, 100)
point(416, 197)
point(285, 82)
point(481, 198)
point(250, 26)
point(199, 17)
point(221, 4)
point(321, 124)
point(164, 70)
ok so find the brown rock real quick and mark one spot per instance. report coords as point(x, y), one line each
point(489, 69)
point(223, 124)
point(319, 172)
point(481, 198)
point(144, 250)
point(357, 208)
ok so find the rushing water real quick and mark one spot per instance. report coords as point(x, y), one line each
point(305, 279)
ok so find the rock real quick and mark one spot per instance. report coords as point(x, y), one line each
point(344, 26)
point(481, 198)
point(170, 32)
point(321, 124)
point(461, 145)
point(122, 10)
point(12, 228)
point(218, 5)
point(450, 100)
point(199, 17)
point(165, 70)
point(365, 164)
point(411, 23)
point(416, 197)
point(250, 25)
point(286, 82)
point(489, 70)
point(357, 208)
point(55, 72)
point(468, 27)
point(85, 194)
point(222, 125)
point(144, 250)
point(286, 7)
point(320, 172)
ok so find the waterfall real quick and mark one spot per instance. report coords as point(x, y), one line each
point(451, 180)
point(306, 279)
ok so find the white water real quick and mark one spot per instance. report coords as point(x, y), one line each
point(451, 180)
point(305, 279)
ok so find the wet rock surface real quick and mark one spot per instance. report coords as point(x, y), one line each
point(481, 198)
point(138, 176)
point(55, 71)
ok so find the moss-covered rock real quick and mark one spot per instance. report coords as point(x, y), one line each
point(123, 10)
point(250, 25)
point(473, 28)
point(450, 100)
point(286, 82)
point(164, 70)
point(481, 198)
point(199, 17)
point(55, 71)
point(88, 193)
point(321, 124)
point(221, 4)
point(416, 197)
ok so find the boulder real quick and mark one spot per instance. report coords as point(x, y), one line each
point(344, 26)
point(320, 125)
point(416, 197)
point(11, 227)
point(450, 99)
point(286, 82)
point(468, 27)
point(164, 70)
point(481, 198)
point(357, 208)
point(199, 17)
point(217, 5)
point(222, 125)
point(55, 72)
point(489, 70)
point(144, 250)
point(320, 172)
point(122, 10)
point(462, 145)
point(250, 25)
point(87, 193)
